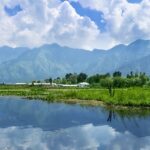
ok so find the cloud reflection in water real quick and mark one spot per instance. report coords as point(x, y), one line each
point(87, 137)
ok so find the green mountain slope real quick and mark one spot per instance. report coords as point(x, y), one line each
point(54, 60)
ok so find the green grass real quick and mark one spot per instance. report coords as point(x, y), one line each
point(139, 97)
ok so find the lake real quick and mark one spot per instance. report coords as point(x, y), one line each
point(37, 125)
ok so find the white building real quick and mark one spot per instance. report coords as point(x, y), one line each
point(83, 84)
point(67, 85)
point(21, 83)
point(46, 84)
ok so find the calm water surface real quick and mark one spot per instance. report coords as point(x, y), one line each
point(37, 125)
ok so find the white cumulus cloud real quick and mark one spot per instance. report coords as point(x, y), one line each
point(54, 21)
point(126, 22)
point(46, 21)
point(87, 137)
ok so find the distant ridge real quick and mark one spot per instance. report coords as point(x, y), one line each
point(23, 65)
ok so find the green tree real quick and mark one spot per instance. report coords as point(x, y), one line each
point(143, 78)
point(50, 80)
point(57, 80)
point(131, 75)
point(94, 79)
point(108, 83)
point(68, 75)
point(118, 82)
point(71, 78)
point(117, 74)
point(81, 77)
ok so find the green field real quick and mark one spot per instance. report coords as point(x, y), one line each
point(139, 97)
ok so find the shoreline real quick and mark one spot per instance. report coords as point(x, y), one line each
point(93, 103)
point(132, 98)
point(122, 111)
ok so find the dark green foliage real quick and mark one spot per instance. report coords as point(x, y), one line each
point(71, 78)
point(81, 77)
point(94, 79)
point(131, 75)
point(131, 80)
point(97, 78)
point(50, 80)
point(103, 80)
point(117, 74)
point(108, 83)
point(119, 82)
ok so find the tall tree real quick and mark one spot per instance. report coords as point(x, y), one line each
point(108, 83)
point(117, 74)
point(81, 77)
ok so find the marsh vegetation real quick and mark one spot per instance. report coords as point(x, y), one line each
point(133, 96)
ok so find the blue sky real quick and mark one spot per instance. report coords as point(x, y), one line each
point(96, 16)
point(134, 1)
point(13, 11)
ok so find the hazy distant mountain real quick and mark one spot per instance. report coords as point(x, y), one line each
point(22, 64)
point(121, 55)
point(8, 53)
point(46, 61)
point(141, 65)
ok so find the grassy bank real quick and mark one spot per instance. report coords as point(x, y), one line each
point(139, 97)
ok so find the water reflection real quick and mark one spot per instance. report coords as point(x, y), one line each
point(37, 125)
point(111, 116)
point(87, 137)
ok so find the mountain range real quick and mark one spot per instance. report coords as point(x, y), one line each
point(24, 65)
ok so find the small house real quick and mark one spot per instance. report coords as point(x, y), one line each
point(83, 84)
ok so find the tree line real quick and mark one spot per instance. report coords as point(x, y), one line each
point(69, 78)
point(116, 79)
